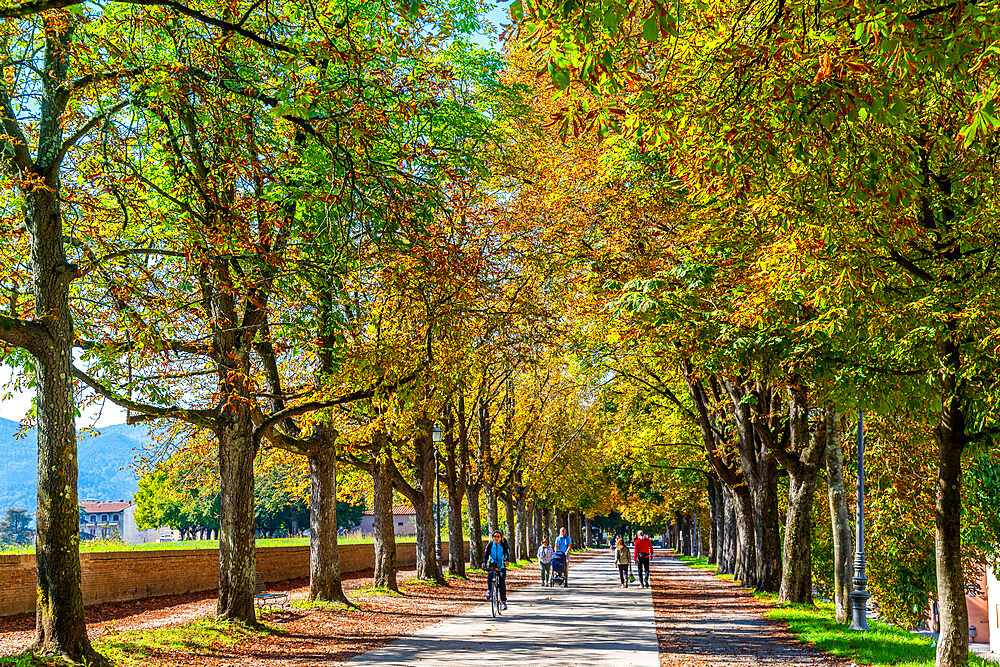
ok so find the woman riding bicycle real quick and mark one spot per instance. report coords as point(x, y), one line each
point(495, 561)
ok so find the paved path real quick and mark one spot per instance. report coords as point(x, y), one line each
point(709, 622)
point(593, 622)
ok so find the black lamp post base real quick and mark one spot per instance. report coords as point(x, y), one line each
point(859, 611)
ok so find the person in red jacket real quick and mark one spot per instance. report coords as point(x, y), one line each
point(643, 549)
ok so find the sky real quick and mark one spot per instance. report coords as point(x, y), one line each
point(16, 407)
point(106, 413)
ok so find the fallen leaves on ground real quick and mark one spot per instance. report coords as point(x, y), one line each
point(703, 621)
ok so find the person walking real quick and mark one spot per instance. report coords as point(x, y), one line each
point(623, 559)
point(495, 562)
point(643, 552)
point(545, 561)
point(563, 542)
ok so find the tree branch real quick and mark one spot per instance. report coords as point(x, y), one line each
point(25, 334)
point(204, 418)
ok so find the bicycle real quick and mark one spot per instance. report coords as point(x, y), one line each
point(495, 602)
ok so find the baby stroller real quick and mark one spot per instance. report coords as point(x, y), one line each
point(560, 569)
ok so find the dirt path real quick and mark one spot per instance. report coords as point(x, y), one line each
point(705, 621)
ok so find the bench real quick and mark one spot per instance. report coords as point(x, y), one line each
point(265, 598)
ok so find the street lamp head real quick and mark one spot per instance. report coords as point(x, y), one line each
point(437, 434)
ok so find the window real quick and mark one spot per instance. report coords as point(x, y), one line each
point(114, 518)
point(104, 518)
point(400, 523)
point(93, 518)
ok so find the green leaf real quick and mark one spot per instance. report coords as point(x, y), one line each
point(517, 10)
point(650, 30)
point(560, 76)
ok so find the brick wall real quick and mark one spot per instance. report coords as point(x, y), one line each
point(116, 576)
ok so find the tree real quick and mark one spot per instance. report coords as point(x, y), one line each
point(14, 527)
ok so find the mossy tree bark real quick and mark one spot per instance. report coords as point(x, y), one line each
point(49, 337)
point(950, 436)
point(802, 459)
point(385, 535)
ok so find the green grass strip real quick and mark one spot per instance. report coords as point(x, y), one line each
point(884, 645)
point(697, 563)
point(199, 637)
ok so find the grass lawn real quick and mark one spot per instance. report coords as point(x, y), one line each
point(93, 546)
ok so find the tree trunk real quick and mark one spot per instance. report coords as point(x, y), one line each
point(767, 533)
point(421, 496)
point(237, 534)
point(713, 522)
point(796, 578)
point(539, 526)
point(475, 525)
point(457, 466)
point(456, 545)
point(746, 541)
point(805, 450)
point(60, 627)
point(688, 523)
point(950, 436)
point(324, 558)
point(492, 509)
point(548, 530)
point(521, 516)
point(840, 518)
point(508, 507)
point(385, 532)
point(427, 565)
point(731, 539)
point(532, 530)
point(586, 531)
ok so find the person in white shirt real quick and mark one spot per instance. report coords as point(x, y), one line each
point(545, 561)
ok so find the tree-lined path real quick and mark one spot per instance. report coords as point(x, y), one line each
point(592, 622)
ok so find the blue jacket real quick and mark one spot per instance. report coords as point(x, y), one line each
point(489, 551)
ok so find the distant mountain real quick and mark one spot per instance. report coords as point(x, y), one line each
point(104, 464)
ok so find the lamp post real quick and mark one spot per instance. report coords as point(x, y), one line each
point(859, 596)
point(437, 435)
